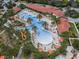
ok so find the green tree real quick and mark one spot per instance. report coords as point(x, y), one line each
point(8, 14)
point(45, 25)
point(39, 16)
point(77, 1)
point(10, 5)
point(53, 55)
point(22, 6)
point(38, 56)
point(29, 21)
point(34, 28)
point(75, 44)
point(65, 2)
point(28, 49)
point(7, 51)
point(54, 18)
point(59, 3)
point(64, 45)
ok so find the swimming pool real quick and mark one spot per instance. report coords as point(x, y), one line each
point(43, 35)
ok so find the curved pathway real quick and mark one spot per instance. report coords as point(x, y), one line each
point(73, 20)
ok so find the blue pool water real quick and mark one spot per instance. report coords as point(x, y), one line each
point(44, 36)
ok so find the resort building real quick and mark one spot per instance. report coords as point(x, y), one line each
point(44, 35)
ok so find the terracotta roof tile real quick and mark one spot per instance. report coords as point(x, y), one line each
point(16, 9)
point(47, 9)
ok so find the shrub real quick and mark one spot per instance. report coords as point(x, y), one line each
point(59, 3)
point(37, 56)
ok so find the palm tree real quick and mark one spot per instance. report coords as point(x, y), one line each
point(29, 21)
point(54, 18)
point(22, 6)
point(45, 25)
point(39, 17)
point(34, 29)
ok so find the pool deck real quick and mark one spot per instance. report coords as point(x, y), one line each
point(45, 38)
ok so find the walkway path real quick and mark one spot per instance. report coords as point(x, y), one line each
point(73, 19)
point(2, 32)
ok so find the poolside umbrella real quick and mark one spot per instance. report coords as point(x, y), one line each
point(39, 16)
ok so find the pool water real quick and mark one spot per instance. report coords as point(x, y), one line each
point(43, 35)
